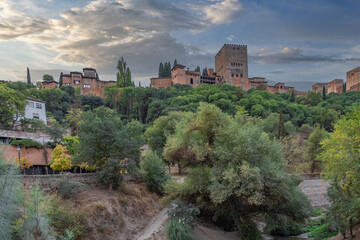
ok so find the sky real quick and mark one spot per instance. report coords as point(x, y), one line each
point(298, 42)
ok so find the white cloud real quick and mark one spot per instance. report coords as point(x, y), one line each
point(223, 11)
point(231, 38)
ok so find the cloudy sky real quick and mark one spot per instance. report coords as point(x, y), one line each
point(298, 42)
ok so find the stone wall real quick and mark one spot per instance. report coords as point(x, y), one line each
point(46, 181)
point(315, 189)
point(38, 136)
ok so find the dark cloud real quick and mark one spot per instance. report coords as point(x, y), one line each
point(295, 55)
point(22, 26)
point(278, 72)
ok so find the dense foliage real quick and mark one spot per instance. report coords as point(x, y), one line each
point(153, 169)
point(236, 173)
point(341, 154)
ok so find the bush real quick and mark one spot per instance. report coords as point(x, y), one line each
point(65, 220)
point(154, 172)
point(26, 143)
point(183, 212)
point(111, 173)
point(179, 231)
point(67, 187)
point(322, 232)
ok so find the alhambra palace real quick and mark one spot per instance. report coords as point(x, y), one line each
point(231, 67)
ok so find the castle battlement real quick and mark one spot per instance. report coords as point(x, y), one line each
point(235, 45)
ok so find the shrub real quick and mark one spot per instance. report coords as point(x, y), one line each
point(63, 219)
point(322, 232)
point(67, 187)
point(26, 143)
point(154, 172)
point(183, 212)
point(60, 159)
point(179, 231)
point(111, 173)
point(36, 220)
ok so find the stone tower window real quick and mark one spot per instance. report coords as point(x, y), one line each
point(191, 81)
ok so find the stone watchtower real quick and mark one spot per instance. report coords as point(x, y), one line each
point(231, 64)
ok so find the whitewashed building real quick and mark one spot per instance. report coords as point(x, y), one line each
point(35, 109)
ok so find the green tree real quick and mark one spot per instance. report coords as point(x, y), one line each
point(161, 70)
point(153, 169)
point(10, 197)
point(162, 128)
point(324, 93)
point(237, 173)
point(73, 117)
point(61, 79)
point(292, 98)
point(102, 135)
point(123, 75)
point(48, 77)
point(205, 72)
point(175, 63)
point(60, 160)
point(340, 155)
point(197, 69)
point(36, 221)
point(344, 88)
point(313, 147)
point(12, 106)
point(281, 128)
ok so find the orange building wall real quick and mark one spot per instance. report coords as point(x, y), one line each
point(160, 82)
point(335, 86)
point(49, 85)
point(353, 79)
point(36, 156)
point(88, 85)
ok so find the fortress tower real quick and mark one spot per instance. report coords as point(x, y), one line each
point(231, 65)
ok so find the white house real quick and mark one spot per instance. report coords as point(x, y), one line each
point(35, 109)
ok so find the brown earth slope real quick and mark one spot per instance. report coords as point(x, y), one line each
point(117, 214)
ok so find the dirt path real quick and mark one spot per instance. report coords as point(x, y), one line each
point(153, 226)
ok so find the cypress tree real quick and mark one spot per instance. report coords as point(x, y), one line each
point(161, 70)
point(324, 93)
point(197, 69)
point(292, 98)
point(205, 72)
point(169, 70)
point(281, 128)
point(61, 79)
point(175, 63)
point(344, 88)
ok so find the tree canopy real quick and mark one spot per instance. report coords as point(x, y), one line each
point(236, 172)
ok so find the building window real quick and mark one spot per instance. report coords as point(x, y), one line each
point(67, 84)
point(241, 64)
point(38, 106)
point(77, 82)
point(86, 86)
point(191, 81)
point(31, 104)
point(241, 75)
point(237, 75)
point(36, 116)
point(232, 75)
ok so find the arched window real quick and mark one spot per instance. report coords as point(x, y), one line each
point(191, 81)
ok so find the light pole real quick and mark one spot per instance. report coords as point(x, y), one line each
point(19, 148)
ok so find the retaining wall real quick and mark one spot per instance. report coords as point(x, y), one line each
point(316, 190)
